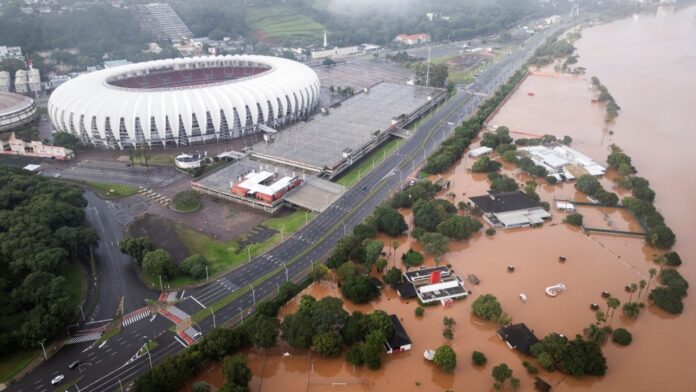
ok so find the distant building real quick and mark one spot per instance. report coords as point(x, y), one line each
point(510, 209)
point(11, 52)
point(21, 82)
point(34, 80)
point(55, 81)
point(334, 53)
point(115, 63)
point(413, 39)
point(161, 20)
point(5, 81)
point(14, 146)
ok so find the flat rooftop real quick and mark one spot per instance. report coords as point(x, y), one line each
point(223, 179)
point(321, 141)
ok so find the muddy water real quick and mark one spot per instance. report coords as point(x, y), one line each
point(649, 65)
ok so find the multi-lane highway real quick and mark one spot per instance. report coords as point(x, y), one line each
point(109, 366)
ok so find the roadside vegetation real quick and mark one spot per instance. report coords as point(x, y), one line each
point(603, 95)
point(44, 238)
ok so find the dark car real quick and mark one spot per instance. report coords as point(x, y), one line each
point(74, 365)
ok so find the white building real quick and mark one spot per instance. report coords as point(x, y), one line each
point(11, 52)
point(334, 53)
point(510, 209)
point(34, 80)
point(480, 151)
point(21, 82)
point(561, 161)
point(5, 81)
point(412, 39)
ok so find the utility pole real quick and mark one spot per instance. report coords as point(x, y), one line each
point(207, 279)
point(253, 293)
point(161, 286)
point(427, 72)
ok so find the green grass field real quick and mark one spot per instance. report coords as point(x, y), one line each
point(112, 191)
point(156, 160)
point(280, 22)
point(356, 172)
point(223, 256)
point(187, 201)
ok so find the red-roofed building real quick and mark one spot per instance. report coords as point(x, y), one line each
point(265, 186)
point(413, 39)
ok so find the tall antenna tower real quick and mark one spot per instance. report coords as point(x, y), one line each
point(575, 10)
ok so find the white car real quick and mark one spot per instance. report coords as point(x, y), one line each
point(57, 379)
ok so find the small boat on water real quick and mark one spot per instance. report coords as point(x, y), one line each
point(553, 291)
point(429, 354)
point(523, 297)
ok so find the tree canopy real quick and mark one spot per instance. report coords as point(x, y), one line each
point(42, 232)
point(445, 358)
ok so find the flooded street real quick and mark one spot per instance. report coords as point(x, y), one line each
point(648, 63)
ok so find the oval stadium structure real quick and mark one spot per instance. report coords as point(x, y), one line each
point(15, 110)
point(184, 101)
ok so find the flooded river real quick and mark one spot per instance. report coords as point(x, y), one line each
point(648, 63)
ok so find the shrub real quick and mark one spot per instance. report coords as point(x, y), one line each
point(392, 276)
point(445, 358)
point(574, 219)
point(622, 337)
point(487, 307)
point(667, 299)
point(531, 369)
point(551, 180)
point(490, 231)
point(485, 165)
point(478, 358)
point(420, 311)
point(201, 386)
point(194, 266)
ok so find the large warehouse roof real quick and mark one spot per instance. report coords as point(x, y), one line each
point(164, 99)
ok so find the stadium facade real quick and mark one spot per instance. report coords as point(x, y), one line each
point(184, 101)
point(15, 110)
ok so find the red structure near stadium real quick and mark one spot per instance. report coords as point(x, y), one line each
point(265, 186)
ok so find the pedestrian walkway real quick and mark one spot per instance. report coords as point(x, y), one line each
point(174, 314)
point(189, 341)
point(88, 337)
point(135, 316)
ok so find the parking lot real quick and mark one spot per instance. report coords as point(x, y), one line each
point(362, 72)
point(117, 173)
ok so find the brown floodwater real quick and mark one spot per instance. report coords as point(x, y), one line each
point(649, 65)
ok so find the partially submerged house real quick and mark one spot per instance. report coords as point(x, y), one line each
point(561, 161)
point(398, 340)
point(433, 284)
point(518, 337)
point(510, 209)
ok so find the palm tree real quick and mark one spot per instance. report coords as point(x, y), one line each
point(641, 285)
point(394, 244)
point(631, 309)
point(652, 272)
point(612, 303)
point(632, 289)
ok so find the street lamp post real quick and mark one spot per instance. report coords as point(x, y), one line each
point(161, 286)
point(82, 311)
point(253, 293)
point(287, 277)
point(147, 348)
point(213, 314)
point(207, 279)
point(241, 314)
point(43, 348)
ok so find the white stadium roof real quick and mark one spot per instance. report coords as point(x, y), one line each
point(91, 104)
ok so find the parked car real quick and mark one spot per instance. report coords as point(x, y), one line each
point(57, 379)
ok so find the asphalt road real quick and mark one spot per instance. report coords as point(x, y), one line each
point(291, 258)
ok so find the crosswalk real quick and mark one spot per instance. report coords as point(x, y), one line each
point(88, 337)
point(135, 316)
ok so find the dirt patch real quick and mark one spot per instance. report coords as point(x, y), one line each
point(162, 233)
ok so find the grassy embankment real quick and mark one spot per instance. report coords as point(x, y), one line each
point(154, 160)
point(12, 364)
point(375, 157)
point(280, 22)
point(223, 256)
point(112, 191)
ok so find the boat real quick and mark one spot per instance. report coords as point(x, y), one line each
point(531, 94)
point(523, 297)
point(429, 354)
point(553, 291)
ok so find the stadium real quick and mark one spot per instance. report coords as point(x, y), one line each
point(15, 110)
point(184, 101)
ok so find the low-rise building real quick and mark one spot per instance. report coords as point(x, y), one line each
point(434, 284)
point(561, 161)
point(412, 39)
point(334, 53)
point(398, 340)
point(510, 209)
point(518, 337)
point(265, 186)
point(14, 146)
